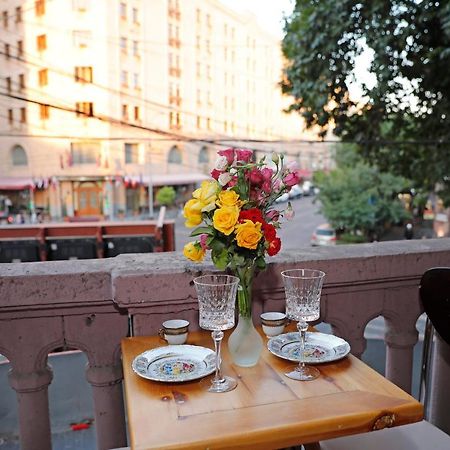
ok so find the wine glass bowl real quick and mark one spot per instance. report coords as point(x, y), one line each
point(303, 288)
point(217, 299)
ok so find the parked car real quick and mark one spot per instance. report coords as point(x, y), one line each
point(308, 188)
point(282, 198)
point(296, 191)
point(323, 235)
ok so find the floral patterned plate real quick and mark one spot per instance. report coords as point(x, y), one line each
point(175, 363)
point(320, 347)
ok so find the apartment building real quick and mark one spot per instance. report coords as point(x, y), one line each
point(104, 101)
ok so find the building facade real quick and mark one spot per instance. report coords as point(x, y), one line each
point(103, 101)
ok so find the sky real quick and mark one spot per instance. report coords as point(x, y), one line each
point(269, 13)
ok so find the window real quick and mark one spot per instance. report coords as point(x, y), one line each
point(7, 51)
point(208, 123)
point(135, 15)
point(8, 85)
point(123, 10)
point(81, 38)
point(43, 77)
point(18, 14)
point(41, 42)
point(135, 48)
point(137, 113)
point(19, 49)
point(80, 5)
point(199, 122)
point(136, 81)
point(84, 109)
point(5, 19)
point(203, 156)
point(19, 156)
point(44, 112)
point(40, 7)
point(131, 153)
point(123, 44)
point(83, 74)
point(124, 78)
point(23, 115)
point(198, 16)
point(125, 112)
point(84, 152)
point(10, 116)
point(21, 82)
point(175, 156)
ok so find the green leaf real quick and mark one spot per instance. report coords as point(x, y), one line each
point(216, 245)
point(261, 263)
point(220, 259)
point(202, 230)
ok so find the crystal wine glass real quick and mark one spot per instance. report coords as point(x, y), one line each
point(217, 299)
point(303, 288)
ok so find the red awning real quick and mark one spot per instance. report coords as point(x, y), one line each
point(15, 183)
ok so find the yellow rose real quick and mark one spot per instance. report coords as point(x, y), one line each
point(192, 211)
point(248, 234)
point(206, 194)
point(194, 252)
point(225, 219)
point(229, 198)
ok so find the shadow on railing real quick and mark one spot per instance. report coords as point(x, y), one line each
point(88, 304)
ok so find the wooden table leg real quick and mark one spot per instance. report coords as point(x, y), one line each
point(312, 446)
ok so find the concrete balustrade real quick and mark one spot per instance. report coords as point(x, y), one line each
point(87, 304)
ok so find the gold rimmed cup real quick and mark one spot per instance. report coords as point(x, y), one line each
point(273, 323)
point(174, 331)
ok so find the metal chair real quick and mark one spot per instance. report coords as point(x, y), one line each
point(435, 297)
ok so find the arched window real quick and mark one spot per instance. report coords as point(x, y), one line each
point(175, 156)
point(203, 156)
point(19, 156)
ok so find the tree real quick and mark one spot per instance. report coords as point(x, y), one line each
point(401, 123)
point(358, 198)
point(166, 195)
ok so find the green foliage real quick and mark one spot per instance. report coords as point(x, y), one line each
point(360, 199)
point(401, 123)
point(166, 196)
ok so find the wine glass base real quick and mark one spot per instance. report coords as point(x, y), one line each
point(227, 384)
point(303, 373)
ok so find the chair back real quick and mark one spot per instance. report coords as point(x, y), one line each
point(435, 296)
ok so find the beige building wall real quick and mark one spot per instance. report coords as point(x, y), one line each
point(162, 73)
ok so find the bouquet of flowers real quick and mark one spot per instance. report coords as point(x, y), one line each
point(235, 215)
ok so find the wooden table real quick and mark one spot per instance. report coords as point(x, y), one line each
point(266, 411)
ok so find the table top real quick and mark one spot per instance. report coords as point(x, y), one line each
point(266, 410)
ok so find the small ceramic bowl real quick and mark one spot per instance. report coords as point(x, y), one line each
point(273, 323)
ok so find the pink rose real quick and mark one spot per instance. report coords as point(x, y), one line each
point(216, 174)
point(291, 179)
point(273, 215)
point(232, 182)
point(203, 238)
point(266, 187)
point(255, 176)
point(267, 173)
point(244, 155)
point(228, 153)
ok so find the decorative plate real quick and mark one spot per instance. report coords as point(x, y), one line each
point(320, 347)
point(175, 363)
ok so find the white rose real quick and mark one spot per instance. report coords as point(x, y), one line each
point(221, 163)
point(224, 178)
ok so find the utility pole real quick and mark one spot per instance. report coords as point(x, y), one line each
point(150, 183)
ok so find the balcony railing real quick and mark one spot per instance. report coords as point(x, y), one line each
point(90, 304)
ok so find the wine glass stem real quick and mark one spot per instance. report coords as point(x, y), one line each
point(217, 336)
point(302, 326)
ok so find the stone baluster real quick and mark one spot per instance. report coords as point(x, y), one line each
point(99, 336)
point(27, 343)
point(33, 408)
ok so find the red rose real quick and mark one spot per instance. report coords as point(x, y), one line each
point(274, 247)
point(215, 173)
point(253, 214)
point(270, 233)
point(244, 155)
